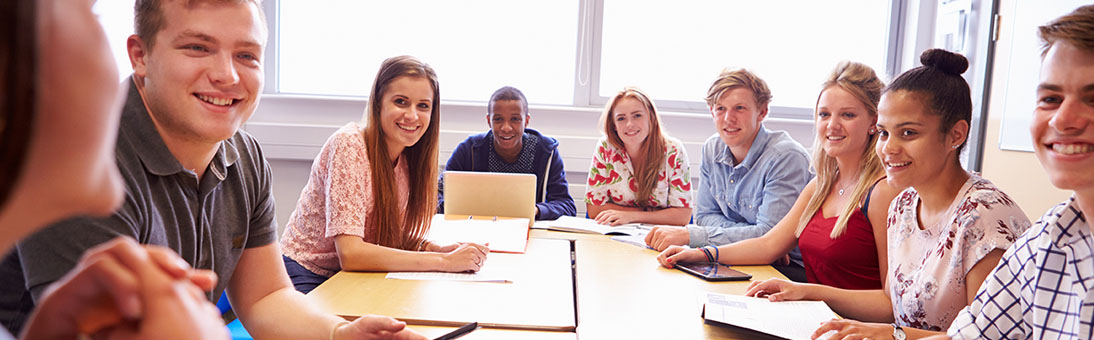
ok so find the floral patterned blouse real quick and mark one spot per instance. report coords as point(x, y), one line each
point(927, 266)
point(611, 178)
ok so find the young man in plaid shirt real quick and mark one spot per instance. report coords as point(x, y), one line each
point(1043, 287)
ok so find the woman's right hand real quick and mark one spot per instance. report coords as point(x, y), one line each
point(777, 290)
point(121, 289)
point(675, 254)
point(468, 257)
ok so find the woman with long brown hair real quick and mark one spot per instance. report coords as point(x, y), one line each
point(372, 191)
point(638, 173)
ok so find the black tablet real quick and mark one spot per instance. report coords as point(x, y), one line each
point(713, 271)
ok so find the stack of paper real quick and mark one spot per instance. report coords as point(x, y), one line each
point(785, 319)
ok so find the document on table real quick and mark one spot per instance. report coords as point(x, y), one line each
point(483, 275)
point(589, 226)
point(509, 235)
point(638, 240)
point(786, 319)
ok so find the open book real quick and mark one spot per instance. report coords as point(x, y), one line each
point(589, 226)
point(504, 235)
point(784, 319)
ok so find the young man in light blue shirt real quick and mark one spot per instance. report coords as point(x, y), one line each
point(749, 176)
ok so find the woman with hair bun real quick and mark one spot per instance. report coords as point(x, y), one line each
point(946, 231)
point(838, 220)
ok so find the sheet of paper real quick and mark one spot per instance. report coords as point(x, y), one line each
point(585, 225)
point(544, 224)
point(787, 319)
point(486, 274)
point(638, 240)
point(503, 235)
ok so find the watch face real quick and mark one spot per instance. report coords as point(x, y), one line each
point(898, 333)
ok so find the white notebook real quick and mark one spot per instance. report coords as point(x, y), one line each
point(784, 319)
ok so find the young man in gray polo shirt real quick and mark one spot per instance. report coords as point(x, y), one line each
point(195, 183)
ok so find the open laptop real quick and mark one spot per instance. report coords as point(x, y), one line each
point(490, 194)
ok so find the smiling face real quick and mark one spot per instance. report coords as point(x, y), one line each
point(737, 118)
point(910, 144)
point(508, 122)
point(632, 122)
point(1063, 122)
point(203, 74)
point(843, 123)
point(405, 112)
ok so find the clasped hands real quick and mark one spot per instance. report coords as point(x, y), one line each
point(124, 290)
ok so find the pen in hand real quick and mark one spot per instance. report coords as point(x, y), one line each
point(459, 331)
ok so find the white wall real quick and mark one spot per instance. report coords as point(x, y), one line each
point(292, 129)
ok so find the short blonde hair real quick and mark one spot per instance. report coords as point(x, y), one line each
point(734, 78)
point(1076, 28)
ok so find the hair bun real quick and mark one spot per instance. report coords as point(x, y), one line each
point(945, 61)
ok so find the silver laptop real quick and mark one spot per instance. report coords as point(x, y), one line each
point(490, 194)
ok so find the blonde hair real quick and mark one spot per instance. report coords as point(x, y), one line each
point(1075, 28)
point(861, 82)
point(734, 78)
point(654, 146)
point(396, 228)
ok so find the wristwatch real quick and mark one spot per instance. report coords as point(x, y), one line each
point(898, 333)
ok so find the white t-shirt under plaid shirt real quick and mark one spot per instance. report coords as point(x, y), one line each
point(1043, 287)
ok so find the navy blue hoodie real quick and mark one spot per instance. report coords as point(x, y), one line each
point(473, 155)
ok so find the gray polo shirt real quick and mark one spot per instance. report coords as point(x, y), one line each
point(208, 223)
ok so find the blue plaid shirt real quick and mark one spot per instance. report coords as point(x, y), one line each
point(1043, 287)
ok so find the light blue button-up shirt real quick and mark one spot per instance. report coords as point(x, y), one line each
point(743, 201)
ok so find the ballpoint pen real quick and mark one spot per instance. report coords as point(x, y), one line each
point(459, 331)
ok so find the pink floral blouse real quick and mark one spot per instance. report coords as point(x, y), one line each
point(927, 266)
point(611, 178)
point(336, 201)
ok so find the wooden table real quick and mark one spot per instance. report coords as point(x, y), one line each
point(541, 296)
point(623, 293)
point(495, 334)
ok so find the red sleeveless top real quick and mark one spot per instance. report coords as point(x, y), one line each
point(850, 261)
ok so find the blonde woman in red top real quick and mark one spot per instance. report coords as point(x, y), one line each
point(838, 220)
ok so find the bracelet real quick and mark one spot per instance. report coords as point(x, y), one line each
point(710, 258)
point(336, 326)
point(716, 255)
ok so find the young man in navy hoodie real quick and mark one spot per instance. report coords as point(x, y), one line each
point(510, 146)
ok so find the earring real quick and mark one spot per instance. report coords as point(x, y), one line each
point(871, 131)
point(956, 146)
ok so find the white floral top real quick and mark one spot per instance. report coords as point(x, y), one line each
point(927, 266)
point(611, 178)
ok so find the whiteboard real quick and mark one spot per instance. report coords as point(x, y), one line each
point(1025, 66)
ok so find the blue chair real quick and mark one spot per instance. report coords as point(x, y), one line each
point(234, 327)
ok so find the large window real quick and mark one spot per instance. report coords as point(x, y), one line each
point(675, 49)
point(570, 53)
point(335, 47)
